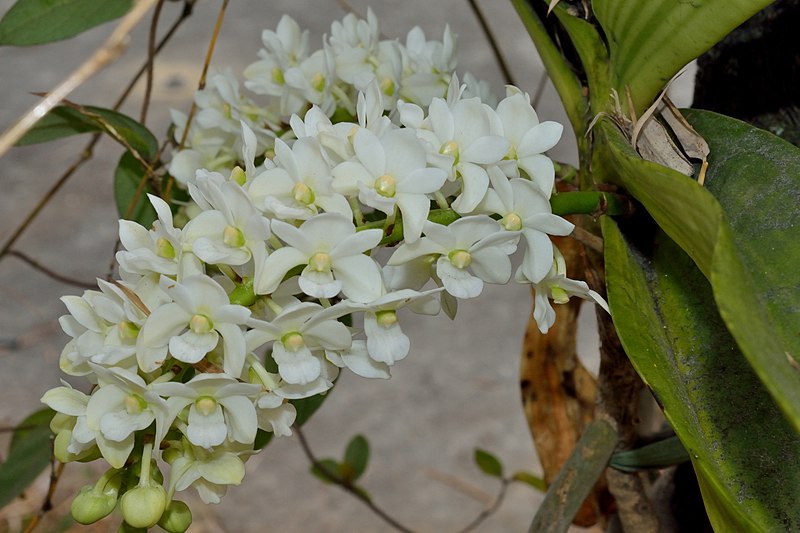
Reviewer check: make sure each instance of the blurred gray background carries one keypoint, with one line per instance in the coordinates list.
(456, 391)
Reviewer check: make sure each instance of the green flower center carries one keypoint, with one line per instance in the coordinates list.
(460, 259)
(128, 330)
(386, 318)
(205, 405)
(450, 148)
(200, 324)
(511, 222)
(386, 186)
(277, 76)
(233, 237)
(164, 248)
(303, 194)
(320, 261)
(293, 341)
(134, 404)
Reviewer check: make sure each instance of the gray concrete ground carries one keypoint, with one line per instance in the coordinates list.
(456, 391)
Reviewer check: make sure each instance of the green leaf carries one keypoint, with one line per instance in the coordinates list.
(356, 456)
(30, 22)
(488, 463)
(576, 479)
(661, 454)
(750, 261)
(558, 69)
(28, 455)
(330, 465)
(307, 406)
(746, 455)
(129, 192)
(651, 41)
(262, 439)
(529, 479)
(67, 120)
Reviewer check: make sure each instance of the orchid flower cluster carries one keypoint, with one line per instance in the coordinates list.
(370, 181)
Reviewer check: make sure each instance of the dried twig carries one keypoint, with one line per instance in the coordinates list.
(498, 54)
(151, 54)
(87, 152)
(106, 54)
(51, 273)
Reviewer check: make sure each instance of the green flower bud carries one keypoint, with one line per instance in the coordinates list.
(143, 506)
(127, 528)
(176, 518)
(91, 505)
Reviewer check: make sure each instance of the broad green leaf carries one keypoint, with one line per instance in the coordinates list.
(67, 120)
(28, 455)
(356, 456)
(659, 454)
(488, 463)
(576, 479)
(745, 453)
(307, 406)
(750, 261)
(650, 41)
(530, 479)
(31, 22)
(130, 193)
(594, 57)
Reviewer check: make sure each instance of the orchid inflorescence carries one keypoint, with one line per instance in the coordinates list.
(362, 145)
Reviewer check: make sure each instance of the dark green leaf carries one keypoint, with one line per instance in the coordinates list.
(661, 454)
(330, 466)
(650, 41)
(745, 453)
(67, 120)
(357, 455)
(31, 22)
(28, 455)
(751, 260)
(262, 439)
(529, 479)
(576, 478)
(307, 407)
(130, 193)
(488, 463)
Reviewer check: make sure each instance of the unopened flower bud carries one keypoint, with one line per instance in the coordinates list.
(89, 506)
(143, 506)
(176, 518)
(127, 528)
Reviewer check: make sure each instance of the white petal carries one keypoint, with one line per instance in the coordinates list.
(191, 347)
(360, 276)
(299, 367)
(241, 418)
(387, 345)
(206, 430)
(360, 363)
(460, 283)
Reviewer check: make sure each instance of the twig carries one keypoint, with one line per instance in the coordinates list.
(489, 511)
(56, 469)
(200, 86)
(587, 238)
(51, 273)
(501, 62)
(110, 51)
(87, 152)
(348, 487)
(151, 53)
